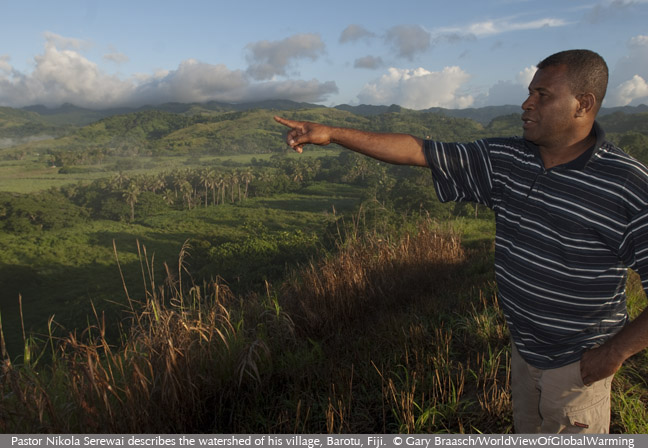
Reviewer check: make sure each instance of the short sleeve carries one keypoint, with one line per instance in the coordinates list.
(461, 171)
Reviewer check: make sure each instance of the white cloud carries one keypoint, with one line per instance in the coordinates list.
(418, 89)
(312, 91)
(508, 92)
(494, 27)
(630, 91)
(525, 77)
(503, 92)
(368, 62)
(639, 41)
(628, 75)
(606, 9)
(5, 66)
(59, 76)
(408, 40)
(268, 59)
(353, 33)
(635, 62)
(192, 81)
(196, 81)
(68, 43)
(116, 57)
(64, 75)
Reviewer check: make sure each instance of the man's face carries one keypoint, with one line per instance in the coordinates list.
(550, 110)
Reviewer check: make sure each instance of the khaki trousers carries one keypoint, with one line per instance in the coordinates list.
(556, 401)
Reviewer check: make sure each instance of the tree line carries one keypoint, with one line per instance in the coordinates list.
(127, 197)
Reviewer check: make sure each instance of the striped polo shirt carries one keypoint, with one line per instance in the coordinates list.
(564, 237)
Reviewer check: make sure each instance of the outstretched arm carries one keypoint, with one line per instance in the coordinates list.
(400, 149)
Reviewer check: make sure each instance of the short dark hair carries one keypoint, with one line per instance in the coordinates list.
(586, 70)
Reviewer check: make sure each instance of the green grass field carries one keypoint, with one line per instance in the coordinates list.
(62, 272)
(33, 173)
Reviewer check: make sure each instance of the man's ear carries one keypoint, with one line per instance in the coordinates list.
(586, 104)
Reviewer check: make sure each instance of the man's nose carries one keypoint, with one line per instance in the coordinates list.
(528, 104)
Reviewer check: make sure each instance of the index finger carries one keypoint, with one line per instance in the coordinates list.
(290, 123)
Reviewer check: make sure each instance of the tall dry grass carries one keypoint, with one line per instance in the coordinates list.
(182, 354)
(401, 314)
(369, 275)
(385, 335)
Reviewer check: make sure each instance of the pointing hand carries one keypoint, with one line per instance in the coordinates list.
(304, 132)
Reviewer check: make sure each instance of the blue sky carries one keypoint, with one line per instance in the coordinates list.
(418, 54)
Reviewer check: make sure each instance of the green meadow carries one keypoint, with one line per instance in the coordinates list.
(184, 273)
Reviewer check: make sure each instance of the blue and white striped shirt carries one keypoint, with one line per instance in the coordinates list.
(564, 237)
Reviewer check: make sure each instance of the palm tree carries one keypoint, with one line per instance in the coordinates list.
(207, 179)
(119, 180)
(158, 183)
(298, 174)
(313, 168)
(187, 193)
(213, 185)
(361, 168)
(131, 195)
(220, 183)
(168, 197)
(145, 182)
(247, 176)
(179, 178)
(264, 177)
(233, 180)
(194, 178)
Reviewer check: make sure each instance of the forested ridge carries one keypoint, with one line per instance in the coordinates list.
(225, 129)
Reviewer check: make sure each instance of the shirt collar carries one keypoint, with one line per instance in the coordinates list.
(581, 161)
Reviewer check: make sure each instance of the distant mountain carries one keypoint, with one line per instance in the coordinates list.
(22, 126)
(69, 114)
(200, 125)
(483, 115)
(18, 115)
(217, 106)
(621, 121)
(624, 109)
(208, 129)
(366, 110)
(275, 105)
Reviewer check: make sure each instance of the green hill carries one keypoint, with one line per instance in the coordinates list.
(625, 122)
(230, 132)
(22, 126)
(73, 135)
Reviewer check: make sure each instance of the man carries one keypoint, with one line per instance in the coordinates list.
(571, 216)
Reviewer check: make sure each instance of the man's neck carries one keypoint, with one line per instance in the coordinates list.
(560, 155)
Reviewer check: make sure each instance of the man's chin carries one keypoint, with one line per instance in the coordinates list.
(529, 136)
